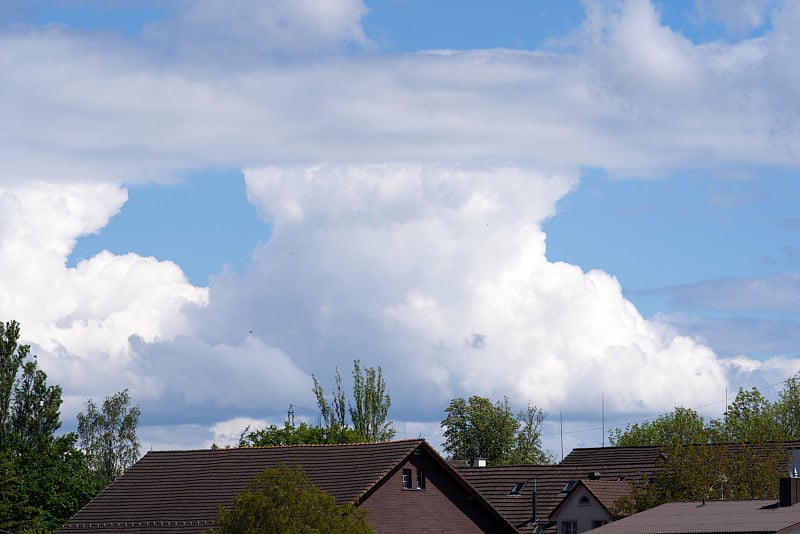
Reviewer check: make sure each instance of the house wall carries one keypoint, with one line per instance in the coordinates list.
(442, 507)
(583, 514)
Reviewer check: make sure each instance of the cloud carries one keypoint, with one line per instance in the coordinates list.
(247, 30)
(633, 97)
(433, 266)
(757, 337)
(79, 319)
(739, 17)
(421, 258)
(775, 293)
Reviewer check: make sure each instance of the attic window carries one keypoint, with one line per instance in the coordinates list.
(406, 478)
(420, 479)
(568, 487)
(517, 489)
(584, 501)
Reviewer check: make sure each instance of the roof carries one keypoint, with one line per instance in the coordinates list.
(496, 482)
(718, 517)
(606, 492)
(178, 491)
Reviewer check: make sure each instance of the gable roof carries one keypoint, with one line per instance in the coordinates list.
(611, 463)
(606, 492)
(719, 517)
(178, 491)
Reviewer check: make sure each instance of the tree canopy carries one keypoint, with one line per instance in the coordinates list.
(44, 478)
(282, 500)
(369, 409)
(108, 436)
(479, 428)
(735, 457)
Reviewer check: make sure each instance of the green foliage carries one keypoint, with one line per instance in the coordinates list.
(281, 500)
(300, 435)
(478, 428)
(369, 411)
(108, 436)
(683, 425)
(44, 479)
(710, 471)
(735, 457)
(787, 409)
(750, 418)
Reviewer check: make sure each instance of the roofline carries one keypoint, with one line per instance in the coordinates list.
(424, 445)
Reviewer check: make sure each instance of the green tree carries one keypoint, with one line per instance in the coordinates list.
(371, 402)
(479, 428)
(750, 418)
(682, 425)
(108, 436)
(369, 410)
(528, 447)
(43, 478)
(282, 500)
(787, 409)
(303, 434)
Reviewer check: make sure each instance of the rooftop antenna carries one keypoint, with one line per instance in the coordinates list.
(561, 421)
(603, 416)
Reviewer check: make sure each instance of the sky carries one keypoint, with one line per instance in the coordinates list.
(590, 207)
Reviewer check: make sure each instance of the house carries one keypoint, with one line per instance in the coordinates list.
(718, 517)
(527, 495)
(404, 486)
(589, 504)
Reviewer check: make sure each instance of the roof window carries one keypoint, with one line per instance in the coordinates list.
(517, 490)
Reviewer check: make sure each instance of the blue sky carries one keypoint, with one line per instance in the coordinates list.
(218, 200)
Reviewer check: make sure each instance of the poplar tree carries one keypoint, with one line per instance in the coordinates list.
(108, 436)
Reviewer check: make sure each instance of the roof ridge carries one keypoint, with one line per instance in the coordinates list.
(296, 446)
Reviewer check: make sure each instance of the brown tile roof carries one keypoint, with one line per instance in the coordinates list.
(178, 491)
(611, 463)
(607, 492)
(718, 517)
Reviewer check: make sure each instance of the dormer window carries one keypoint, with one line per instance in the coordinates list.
(420, 479)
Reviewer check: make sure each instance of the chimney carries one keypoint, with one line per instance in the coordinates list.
(790, 491)
(479, 462)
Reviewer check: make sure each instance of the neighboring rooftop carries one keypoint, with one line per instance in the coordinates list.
(717, 517)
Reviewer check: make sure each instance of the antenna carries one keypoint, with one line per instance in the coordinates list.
(603, 410)
(561, 421)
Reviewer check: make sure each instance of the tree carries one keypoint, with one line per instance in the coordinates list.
(282, 500)
(528, 447)
(750, 418)
(108, 436)
(683, 425)
(43, 478)
(787, 409)
(369, 410)
(300, 435)
(478, 428)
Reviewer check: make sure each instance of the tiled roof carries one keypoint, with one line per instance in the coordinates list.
(178, 491)
(607, 492)
(611, 463)
(718, 517)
